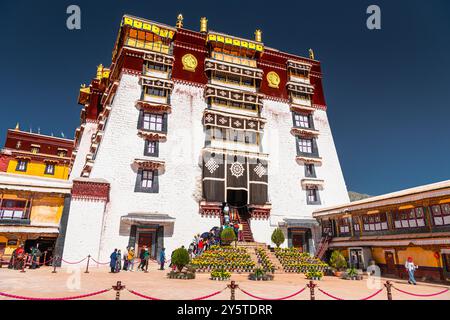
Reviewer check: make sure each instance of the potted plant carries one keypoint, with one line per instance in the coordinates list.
(277, 237)
(352, 274)
(338, 263)
(314, 275)
(227, 236)
(180, 258)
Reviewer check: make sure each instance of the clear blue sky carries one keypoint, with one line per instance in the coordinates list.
(388, 91)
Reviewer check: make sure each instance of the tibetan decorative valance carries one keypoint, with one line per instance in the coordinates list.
(236, 42)
(218, 119)
(299, 65)
(302, 88)
(152, 135)
(159, 58)
(157, 83)
(213, 65)
(233, 95)
(153, 107)
(148, 26)
(149, 164)
(302, 132)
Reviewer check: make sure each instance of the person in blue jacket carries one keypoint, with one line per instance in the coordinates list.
(113, 261)
(162, 258)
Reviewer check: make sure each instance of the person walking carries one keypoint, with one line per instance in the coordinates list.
(113, 260)
(411, 268)
(125, 259)
(118, 261)
(240, 230)
(130, 259)
(146, 259)
(162, 258)
(141, 257)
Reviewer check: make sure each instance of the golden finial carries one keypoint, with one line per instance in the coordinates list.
(17, 127)
(99, 71)
(258, 35)
(203, 25)
(179, 21)
(311, 54)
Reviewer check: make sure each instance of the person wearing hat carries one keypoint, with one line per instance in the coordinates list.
(411, 268)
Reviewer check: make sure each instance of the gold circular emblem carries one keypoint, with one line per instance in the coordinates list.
(189, 62)
(273, 79)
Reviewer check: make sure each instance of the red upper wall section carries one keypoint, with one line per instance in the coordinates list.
(48, 145)
(187, 41)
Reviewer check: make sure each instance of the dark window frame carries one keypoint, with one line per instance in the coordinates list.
(156, 149)
(370, 222)
(314, 150)
(19, 162)
(155, 182)
(443, 214)
(316, 195)
(405, 223)
(50, 165)
(142, 115)
(310, 173)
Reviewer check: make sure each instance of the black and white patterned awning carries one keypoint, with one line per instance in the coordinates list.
(233, 95)
(213, 65)
(156, 83)
(159, 58)
(299, 65)
(217, 119)
(302, 88)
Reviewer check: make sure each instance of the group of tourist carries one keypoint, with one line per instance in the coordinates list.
(19, 258)
(129, 257)
(116, 260)
(236, 226)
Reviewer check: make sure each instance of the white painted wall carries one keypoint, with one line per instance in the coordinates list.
(83, 149)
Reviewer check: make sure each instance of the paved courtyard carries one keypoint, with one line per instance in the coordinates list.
(42, 283)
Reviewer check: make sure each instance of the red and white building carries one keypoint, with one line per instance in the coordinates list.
(183, 122)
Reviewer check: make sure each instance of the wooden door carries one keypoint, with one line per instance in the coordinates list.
(390, 262)
(297, 241)
(145, 239)
(2, 248)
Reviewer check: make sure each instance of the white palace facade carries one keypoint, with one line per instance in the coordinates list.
(182, 123)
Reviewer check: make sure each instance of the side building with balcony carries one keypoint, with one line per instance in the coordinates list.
(33, 191)
(392, 227)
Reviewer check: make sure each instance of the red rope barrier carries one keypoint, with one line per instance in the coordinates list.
(209, 295)
(63, 298)
(329, 294)
(142, 295)
(422, 295)
(194, 299)
(97, 262)
(74, 262)
(282, 298)
(337, 298)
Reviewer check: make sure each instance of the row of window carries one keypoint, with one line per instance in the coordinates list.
(226, 134)
(405, 219)
(234, 104)
(153, 66)
(233, 79)
(22, 166)
(13, 210)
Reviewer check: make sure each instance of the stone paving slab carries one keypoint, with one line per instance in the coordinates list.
(73, 281)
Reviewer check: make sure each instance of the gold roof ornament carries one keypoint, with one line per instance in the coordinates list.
(99, 71)
(203, 25)
(311, 54)
(180, 21)
(17, 127)
(258, 35)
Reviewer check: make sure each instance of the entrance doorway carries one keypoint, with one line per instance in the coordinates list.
(390, 262)
(297, 241)
(146, 239)
(356, 258)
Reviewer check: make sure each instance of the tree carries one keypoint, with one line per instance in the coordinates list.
(180, 258)
(227, 235)
(277, 237)
(337, 260)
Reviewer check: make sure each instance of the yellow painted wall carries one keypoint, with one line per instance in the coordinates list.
(47, 210)
(35, 168)
(44, 210)
(378, 255)
(420, 256)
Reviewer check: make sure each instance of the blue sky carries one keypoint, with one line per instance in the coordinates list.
(388, 91)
